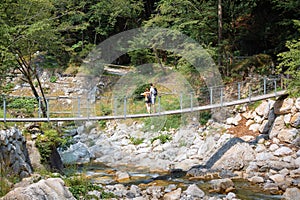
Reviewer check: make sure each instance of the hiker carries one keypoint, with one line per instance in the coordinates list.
(147, 99)
(153, 92)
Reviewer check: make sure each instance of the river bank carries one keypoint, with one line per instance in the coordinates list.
(259, 146)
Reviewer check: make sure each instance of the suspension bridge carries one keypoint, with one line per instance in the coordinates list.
(211, 98)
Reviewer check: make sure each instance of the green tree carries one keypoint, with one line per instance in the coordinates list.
(196, 19)
(290, 64)
(115, 16)
(27, 28)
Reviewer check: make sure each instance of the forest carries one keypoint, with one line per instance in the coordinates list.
(59, 34)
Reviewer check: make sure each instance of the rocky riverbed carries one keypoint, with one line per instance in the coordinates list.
(266, 154)
(260, 146)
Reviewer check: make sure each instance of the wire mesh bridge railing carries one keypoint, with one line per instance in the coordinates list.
(67, 108)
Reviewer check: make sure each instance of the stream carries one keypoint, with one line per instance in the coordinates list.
(101, 174)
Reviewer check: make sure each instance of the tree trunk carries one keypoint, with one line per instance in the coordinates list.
(43, 106)
(25, 68)
(220, 28)
(158, 60)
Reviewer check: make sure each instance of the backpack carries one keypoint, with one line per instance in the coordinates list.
(155, 92)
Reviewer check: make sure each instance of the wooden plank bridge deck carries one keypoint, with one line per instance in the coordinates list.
(170, 112)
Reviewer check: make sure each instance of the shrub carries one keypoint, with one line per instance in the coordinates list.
(7, 87)
(79, 186)
(137, 93)
(46, 142)
(4, 186)
(53, 79)
(102, 124)
(204, 117)
(28, 104)
(163, 138)
(136, 141)
(105, 109)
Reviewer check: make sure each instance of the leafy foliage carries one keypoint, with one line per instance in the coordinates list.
(46, 142)
(290, 64)
(53, 79)
(139, 90)
(163, 138)
(204, 117)
(136, 141)
(29, 104)
(79, 186)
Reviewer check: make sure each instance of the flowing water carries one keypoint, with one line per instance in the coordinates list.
(101, 174)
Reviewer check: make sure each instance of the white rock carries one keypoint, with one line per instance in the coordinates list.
(297, 162)
(277, 178)
(264, 156)
(173, 195)
(258, 119)
(122, 176)
(297, 103)
(291, 194)
(260, 110)
(264, 127)
(250, 122)
(287, 135)
(260, 148)
(273, 147)
(194, 191)
(256, 179)
(287, 118)
(254, 127)
(282, 151)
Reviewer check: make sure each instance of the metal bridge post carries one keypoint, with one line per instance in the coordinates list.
(4, 108)
(39, 109)
(180, 101)
(275, 87)
(211, 95)
(250, 93)
(239, 90)
(265, 85)
(48, 111)
(125, 106)
(191, 101)
(221, 96)
(78, 106)
(115, 105)
(88, 108)
(281, 82)
(159, 105)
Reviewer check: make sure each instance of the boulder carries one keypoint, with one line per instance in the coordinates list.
(297, 104)
(173, 195)
(277, 178)
(283, 151)
(277, 126)
(122, 176)
(287, 135)
(256, 179)
(295, 120)
(291, 194)
(282, 107)
(76, 153)
(234, 120)
(14, 154)
(254, 127)
(221, 185)
(52, 188)
(236, 157)
(262, 108)
(193, 192)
